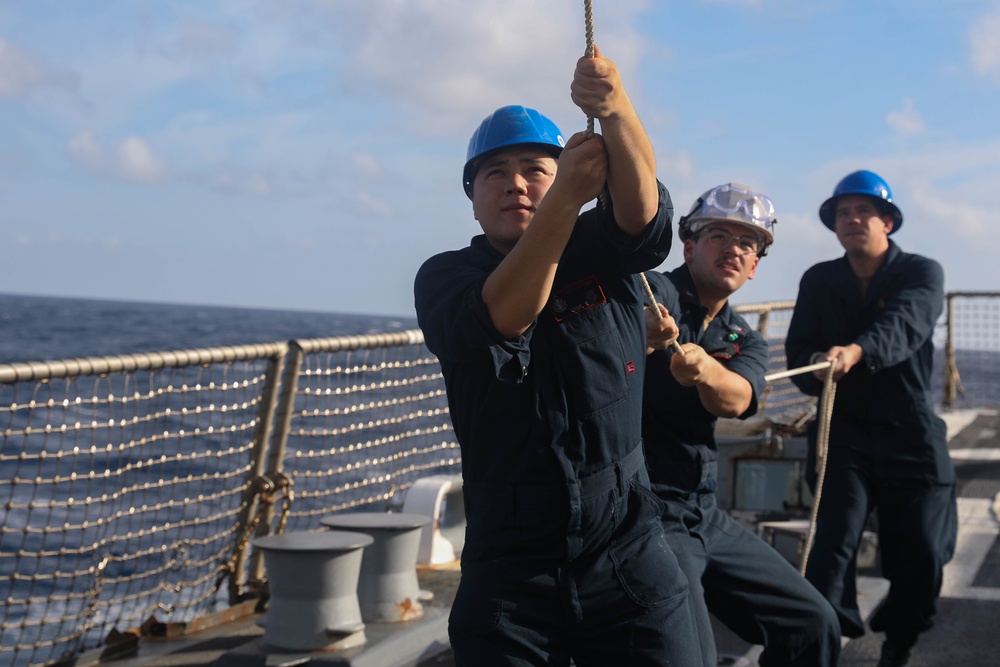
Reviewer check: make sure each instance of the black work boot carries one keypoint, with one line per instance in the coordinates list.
(896, 650)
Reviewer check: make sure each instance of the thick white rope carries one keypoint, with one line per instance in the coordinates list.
(822, 447)
(797, 371)
(824, 413)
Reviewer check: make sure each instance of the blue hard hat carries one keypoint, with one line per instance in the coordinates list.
(508, 126)
(862, 183)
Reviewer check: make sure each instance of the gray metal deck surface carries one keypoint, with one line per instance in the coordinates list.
(967, 631)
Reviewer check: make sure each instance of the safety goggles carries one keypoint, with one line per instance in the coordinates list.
(739, 205)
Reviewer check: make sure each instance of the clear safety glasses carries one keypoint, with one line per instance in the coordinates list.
(721, 238)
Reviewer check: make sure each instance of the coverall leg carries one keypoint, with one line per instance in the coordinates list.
(682, 533)
(748, 586)
(918, 526)
(612, 595)
(759, 595)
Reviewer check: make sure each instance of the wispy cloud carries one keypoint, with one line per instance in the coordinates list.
(964, 218)
(447, 61)
(368, 205)
(366, 164)
(131, 160)
(22, 71)
(906, 121)
(984, 45)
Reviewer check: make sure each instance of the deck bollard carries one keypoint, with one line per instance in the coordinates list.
(388, 590)
(313, 581)
(441, 498)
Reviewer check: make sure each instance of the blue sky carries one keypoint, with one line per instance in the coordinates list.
(307, 154)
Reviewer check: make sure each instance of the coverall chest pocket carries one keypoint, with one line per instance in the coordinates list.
(593, 359)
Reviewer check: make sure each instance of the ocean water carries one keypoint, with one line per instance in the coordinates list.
(36, 328)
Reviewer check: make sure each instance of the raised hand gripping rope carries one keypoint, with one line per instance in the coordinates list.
(588, 15)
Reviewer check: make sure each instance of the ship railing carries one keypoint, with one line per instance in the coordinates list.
(970, 371)
(132, 486)
(966, 367)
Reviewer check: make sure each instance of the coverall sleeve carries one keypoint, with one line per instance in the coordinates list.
(805, 333)
(647, 250)
(455, 321)
(751, 365)
(908, 319)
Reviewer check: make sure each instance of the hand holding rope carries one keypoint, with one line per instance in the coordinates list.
(588, 15)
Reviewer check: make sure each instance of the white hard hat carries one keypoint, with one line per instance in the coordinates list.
(731, 202)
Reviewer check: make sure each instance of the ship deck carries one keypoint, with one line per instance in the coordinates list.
(964, 634)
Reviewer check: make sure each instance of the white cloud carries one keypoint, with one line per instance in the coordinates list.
(984, 44)
(953, 212)
(136, 161)
(133, 160)
(84, 148)
(447, 61)
(366, 164)
(906, 121)
(370, 205)
(438, 64)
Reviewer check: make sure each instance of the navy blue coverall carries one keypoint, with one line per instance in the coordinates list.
(732, 573)
(887, 447)
(564, 557)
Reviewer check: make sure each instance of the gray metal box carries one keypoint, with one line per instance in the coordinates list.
(789, 539)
